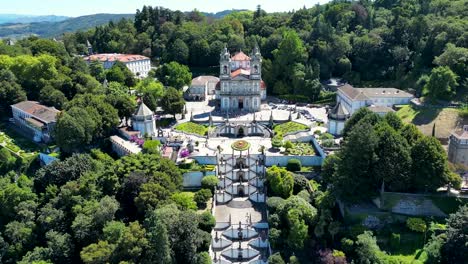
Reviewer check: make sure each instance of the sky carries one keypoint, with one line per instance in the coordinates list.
(75, 8)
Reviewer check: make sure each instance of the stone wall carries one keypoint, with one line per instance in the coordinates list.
(205, 160)
(438, 205)
(193, 179)
(283, 160)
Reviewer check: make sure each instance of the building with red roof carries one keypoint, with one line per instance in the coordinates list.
(139, 65)
(241, 86)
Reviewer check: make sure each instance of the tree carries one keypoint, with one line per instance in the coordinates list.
(97, 253)
(454, 248)
(394, 121)
(172, 101)
(96, 69)
(152, 146)
(52, 97)
(429, 167)
(61, 246)
(416, 224)
(411, 133)
(184, 200)
(160, 251)
(178, 51)
(206, 221)
(354, 176)
(173, 74)
(298, 232)
(442, 84)
(202, 196)
(393, 166)
(209, 182)
(367, 249)
(355, 118)
(10, 93)
(280, 181)
(276, 259)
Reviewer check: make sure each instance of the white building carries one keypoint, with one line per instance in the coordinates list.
(355, 98)
(139, 65)
(350, 99)
(35, 119)
(144, 121)
(241, 86)
(200, 87)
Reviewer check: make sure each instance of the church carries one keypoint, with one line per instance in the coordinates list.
(241, 86)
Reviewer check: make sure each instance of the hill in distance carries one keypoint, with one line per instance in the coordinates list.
(55, 29)
(15, 18)
(223, 13)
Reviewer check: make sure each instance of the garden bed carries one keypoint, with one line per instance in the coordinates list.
(289, 127)
(301, 149)
(191, 127)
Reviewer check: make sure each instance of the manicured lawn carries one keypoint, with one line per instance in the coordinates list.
(289, 127)
(191, 127)
(411, 244)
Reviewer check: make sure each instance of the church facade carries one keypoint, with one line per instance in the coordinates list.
(241, 86)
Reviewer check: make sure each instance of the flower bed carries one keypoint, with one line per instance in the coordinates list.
(191, 127)
(240, 145)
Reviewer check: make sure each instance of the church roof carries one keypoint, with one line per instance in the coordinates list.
(143, 110)
(240, 56)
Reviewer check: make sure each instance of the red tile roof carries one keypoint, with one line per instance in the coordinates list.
(115, 57)
(40, 112)
(240, 56)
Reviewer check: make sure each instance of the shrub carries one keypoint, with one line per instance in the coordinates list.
(394, 241)
(317, 132)
(209, 182)
(356, 230)
(300, 183)
(294, 165)
(347, 245)
(151, 146)
(274, 236)
(288, 144)
(416, 224)
(202, 196)
(274, 220)
(274, 203)
(203, 258)
(184, 200)
(203, 240)
(326, 136)
(276, 142)
(206, 221)
(276, 259)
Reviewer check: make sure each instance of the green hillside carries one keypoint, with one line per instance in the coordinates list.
(53, 29)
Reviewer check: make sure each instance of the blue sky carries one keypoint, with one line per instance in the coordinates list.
(86, 7)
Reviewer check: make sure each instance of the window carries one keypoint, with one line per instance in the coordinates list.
(225, 69)
(256, 69)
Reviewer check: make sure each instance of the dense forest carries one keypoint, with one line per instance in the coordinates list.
(417, 44)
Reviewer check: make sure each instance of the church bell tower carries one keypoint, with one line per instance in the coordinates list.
(225, 64)
(256, 64)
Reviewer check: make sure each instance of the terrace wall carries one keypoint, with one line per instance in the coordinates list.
(283, 160)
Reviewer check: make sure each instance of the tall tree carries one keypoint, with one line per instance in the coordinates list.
(172, 102)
